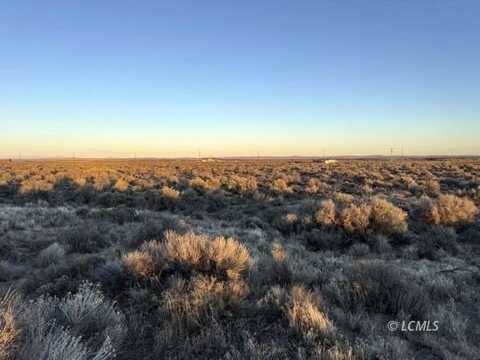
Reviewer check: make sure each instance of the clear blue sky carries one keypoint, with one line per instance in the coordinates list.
(166, 78)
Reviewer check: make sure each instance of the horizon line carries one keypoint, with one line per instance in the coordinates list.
(240, 157)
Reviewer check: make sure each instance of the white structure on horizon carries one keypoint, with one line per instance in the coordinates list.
(330, 161)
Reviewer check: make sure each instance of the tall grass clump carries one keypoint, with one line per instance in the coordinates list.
(201, 299)
(300, 308)
(304, 312)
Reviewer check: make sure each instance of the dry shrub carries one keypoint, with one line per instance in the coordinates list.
(432, 188)
(289, 223)
(436, 240)
(51, 255)
(170, 193)
(9, 331)
(448, 210)
(387, 218)
(356, 219)
(228, 256)
(201, 299)
(278, 253)
(275, 269)
(154, 249)
(314, 186)
(213, 285)
(408, 181)
(300, 307)
(307, 220)
(249, 184)
(84, 239)
(139, 263)
(198, 183)
(241, 184)
(79, 181)
(213, 184)
(304, 313)
(102, 182)
(56, 343)
(88, 312)
(222, 257)
(379, 288)
(343, 198)
(80, 326)
(35, 185)
(291, 218)
(121, 185)
(429, 210)
(187, 250)
(52, 342)
(326, 214)
(378, 215)
(343, 352)
(280, 186)
(147, 262)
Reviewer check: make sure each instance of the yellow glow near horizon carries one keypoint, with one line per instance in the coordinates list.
(99, 146)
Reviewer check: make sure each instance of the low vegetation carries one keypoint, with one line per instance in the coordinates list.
(238, 259)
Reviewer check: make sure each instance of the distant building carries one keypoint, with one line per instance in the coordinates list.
(330, 161)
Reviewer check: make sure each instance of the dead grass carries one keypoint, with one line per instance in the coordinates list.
(199, 300)
(304, 313)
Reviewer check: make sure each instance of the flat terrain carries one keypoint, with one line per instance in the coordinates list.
(239, 259)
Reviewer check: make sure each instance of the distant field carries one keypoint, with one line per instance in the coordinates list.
(240, 259)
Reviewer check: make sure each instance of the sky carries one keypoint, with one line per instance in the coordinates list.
(123, 78)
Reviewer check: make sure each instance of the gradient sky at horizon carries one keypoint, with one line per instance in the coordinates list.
(227, 78)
